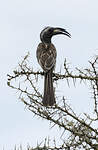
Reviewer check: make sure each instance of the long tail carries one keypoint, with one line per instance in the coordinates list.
(48, 98)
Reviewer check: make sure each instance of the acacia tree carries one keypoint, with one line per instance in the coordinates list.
(81, 130)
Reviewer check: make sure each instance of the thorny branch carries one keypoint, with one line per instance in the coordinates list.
(82, 133)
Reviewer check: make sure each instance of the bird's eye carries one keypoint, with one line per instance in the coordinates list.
(50, 30)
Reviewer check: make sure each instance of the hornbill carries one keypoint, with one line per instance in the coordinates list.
(46, 56)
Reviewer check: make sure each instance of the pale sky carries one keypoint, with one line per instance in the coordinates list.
(20, 24)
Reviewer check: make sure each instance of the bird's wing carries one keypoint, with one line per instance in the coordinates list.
(46, 56)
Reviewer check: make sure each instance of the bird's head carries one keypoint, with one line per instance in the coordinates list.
(48, 32)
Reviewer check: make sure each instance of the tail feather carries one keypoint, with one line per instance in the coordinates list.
(48, 98)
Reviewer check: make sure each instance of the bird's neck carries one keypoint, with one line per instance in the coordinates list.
(46, 40)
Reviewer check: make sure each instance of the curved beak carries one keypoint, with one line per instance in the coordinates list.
(61, 31)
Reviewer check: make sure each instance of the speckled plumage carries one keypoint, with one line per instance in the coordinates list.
(46, 55)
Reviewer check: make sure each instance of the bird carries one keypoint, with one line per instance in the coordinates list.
(46, 55)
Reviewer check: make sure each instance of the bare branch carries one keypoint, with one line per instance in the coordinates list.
(81, 134)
